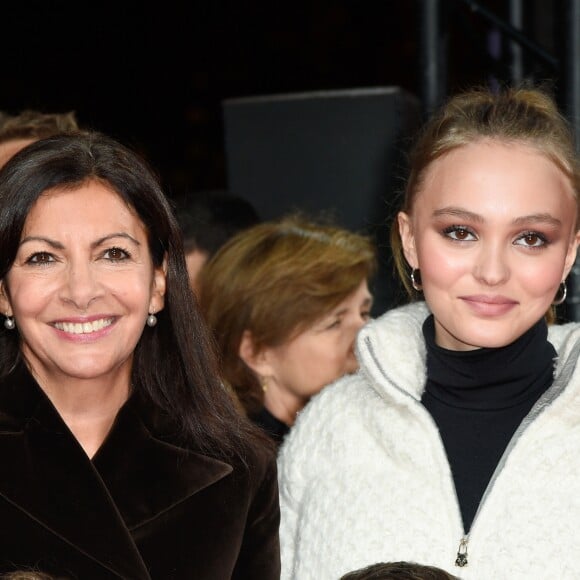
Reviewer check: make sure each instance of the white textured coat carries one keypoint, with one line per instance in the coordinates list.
(364, 477)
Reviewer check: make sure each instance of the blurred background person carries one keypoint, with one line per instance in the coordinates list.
(285, 300)
(17, 131)
(208, 219)
(29, 575)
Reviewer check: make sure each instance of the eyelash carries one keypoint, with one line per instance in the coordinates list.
(454, 229)
(540, 237)
(48, 258)
(33, 259)
(126, 254)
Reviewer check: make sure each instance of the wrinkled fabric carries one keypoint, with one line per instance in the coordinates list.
(143, 508)
(364, 476)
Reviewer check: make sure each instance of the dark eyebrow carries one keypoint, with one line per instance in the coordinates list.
(544, 218)
(458, 213)
(366, 302)
(54, 244)
(109, 237)
(58, 246)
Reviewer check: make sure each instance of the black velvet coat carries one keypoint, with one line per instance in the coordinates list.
(142, 508)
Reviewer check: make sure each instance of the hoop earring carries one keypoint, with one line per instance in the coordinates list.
(151, 320)
(9, 323)
(561, 294)
(416, 279)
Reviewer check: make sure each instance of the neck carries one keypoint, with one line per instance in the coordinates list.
(283, 404)
(88, 407)
(490, 378)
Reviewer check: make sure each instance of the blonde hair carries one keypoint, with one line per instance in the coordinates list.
(523, 115)
(275, 280)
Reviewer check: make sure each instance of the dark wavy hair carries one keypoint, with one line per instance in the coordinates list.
(175, 367)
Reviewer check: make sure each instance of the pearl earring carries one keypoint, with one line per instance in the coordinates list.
(151, 320)
(9, 323)
(264, 383)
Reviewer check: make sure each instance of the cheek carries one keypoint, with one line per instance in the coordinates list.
(135, 289)
(29, 298)
(195, 262)
(306, 358)
(541, 278)
(440, 267)
(331, 358)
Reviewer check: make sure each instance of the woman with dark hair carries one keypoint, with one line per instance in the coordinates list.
(127, 457)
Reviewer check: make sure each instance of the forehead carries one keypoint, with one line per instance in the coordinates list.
(492, 172)
(90, 207)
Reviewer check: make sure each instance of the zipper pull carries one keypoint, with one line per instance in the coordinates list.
(461, 559)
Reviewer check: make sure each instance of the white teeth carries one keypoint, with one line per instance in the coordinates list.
(84, 327)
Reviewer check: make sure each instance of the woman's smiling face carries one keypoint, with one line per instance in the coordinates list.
(82, 285)
(493, 233)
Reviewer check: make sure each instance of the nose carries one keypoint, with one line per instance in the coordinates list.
(359, 321)
(80, 286)
(491, 266)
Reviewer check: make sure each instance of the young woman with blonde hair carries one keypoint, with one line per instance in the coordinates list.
(457, 443)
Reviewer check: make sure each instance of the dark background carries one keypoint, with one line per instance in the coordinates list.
(155, 75)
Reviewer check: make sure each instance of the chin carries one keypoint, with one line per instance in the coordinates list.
(487, 341)
(87, 372)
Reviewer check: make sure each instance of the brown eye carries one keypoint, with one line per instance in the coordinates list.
(531, 239)
(460, 234)
(40, 258)
(116, 254)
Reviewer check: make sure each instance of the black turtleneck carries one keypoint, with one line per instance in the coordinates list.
(478, 398)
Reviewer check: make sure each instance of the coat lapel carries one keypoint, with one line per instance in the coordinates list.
(147, 475)
(93, 505)
(48, 476)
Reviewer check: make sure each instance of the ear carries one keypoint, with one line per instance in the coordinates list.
(407, 238)
(258, 361)
(157, 300)
(571, 254)
(5, 306)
